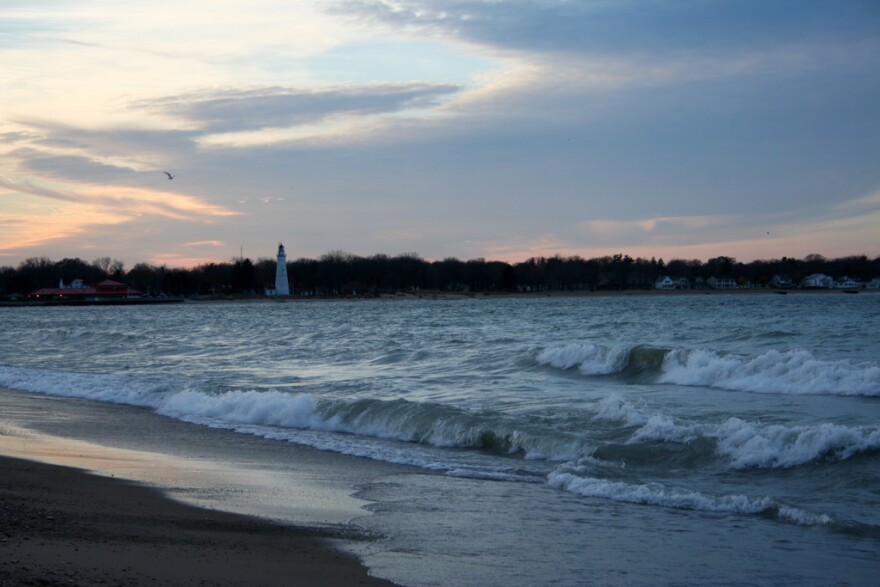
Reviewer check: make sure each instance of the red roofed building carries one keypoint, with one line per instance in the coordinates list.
(106, 290)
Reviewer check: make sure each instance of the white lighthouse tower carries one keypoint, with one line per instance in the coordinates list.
(281, 286)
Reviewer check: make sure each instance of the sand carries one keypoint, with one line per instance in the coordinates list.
(63, 526)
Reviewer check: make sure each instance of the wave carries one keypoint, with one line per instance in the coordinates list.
(400, 420)
(789, 372)
(777, 372)
(776, 446)
(738, 443)
(743, 444)
(567, 461)
(422, 423)
(590, 359)
(117, 389)
(656, 494)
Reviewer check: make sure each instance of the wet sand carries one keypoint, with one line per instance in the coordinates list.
(63, 526)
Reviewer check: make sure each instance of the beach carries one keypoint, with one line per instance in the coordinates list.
(83, 504)
(63, 526)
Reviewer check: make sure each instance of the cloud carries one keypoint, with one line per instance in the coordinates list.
(128, 201)
(553, 46)
(205, 244)
(159, 203)
(655, 226)
(743, 235)
(277, 107)
(63, 166)
(77, 209)
(620, 26)
(25, 229)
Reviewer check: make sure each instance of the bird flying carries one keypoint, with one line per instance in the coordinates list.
(168, 174)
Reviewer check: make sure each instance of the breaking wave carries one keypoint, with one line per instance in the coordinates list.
(739, 444)
(424, 423)
(791, 372)
(401, 420)
(656, 494)
(743, 444)
(779, 372)
(590, 359)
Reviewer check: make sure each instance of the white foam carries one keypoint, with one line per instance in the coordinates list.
(775, 446)
(615, 408)
(803, 517)
(589, 358)
(266, 408)
(656, 494)
(661, 428)
(789, 372)
(653, 427)
(744, 444)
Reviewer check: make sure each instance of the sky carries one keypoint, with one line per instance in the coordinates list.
(497, 129)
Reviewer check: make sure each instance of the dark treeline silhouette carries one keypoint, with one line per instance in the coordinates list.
(340, 273)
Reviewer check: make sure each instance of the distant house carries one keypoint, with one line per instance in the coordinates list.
(848, 283)
(722, 283)
(873, 284)
(107, 289)
(664, 282)
(781, 281)
(683, 283)
(75, 284)
(817, 280)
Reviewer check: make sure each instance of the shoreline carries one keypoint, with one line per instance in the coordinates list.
(64, 526)
(441, 295)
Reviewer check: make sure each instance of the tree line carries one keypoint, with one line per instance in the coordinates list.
(339, 273)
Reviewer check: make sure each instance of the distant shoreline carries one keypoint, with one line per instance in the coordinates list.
(437, 295)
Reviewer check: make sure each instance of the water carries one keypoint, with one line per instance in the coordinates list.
(701, 439)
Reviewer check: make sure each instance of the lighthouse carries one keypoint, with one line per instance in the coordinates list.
(281, 286)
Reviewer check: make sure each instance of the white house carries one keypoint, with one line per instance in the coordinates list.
(817, 280)
(664, 282)
(848, 283)
(781, 281)
(873, 284)
(722, 283)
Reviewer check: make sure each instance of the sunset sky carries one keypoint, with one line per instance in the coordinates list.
(468, 128)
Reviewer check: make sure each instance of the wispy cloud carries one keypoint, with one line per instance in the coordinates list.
(25, 229)
(276, 107)
(205, 244)
(128, 201)
(663, 224)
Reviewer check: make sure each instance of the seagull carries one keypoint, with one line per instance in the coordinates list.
(168, 174)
